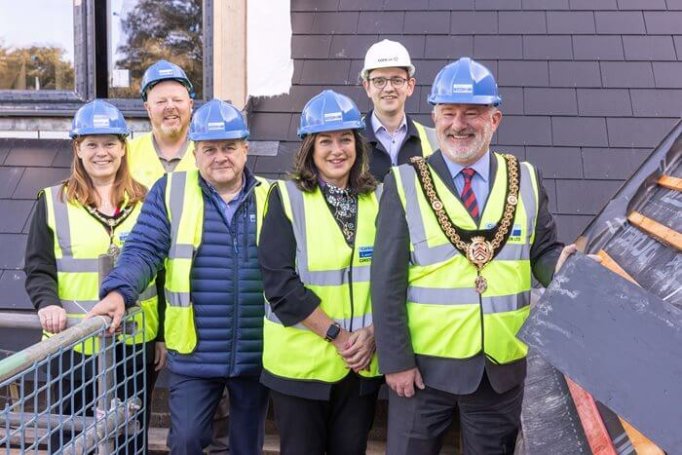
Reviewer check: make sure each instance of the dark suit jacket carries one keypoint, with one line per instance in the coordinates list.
(390, 265)
(379, 160)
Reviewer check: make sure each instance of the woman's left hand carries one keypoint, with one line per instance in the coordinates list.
(359, 350)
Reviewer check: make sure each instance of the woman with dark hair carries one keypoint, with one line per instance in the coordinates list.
(75, 222)
(315, 252)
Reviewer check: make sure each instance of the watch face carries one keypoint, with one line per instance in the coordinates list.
(332, 332)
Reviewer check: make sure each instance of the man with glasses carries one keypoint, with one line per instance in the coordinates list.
(388, 79)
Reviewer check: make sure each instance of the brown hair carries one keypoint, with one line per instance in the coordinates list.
(305, 173)
(79, 187)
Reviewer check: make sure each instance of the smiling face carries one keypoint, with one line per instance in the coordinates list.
(389, 100)
(101, 156)
(221, 163)
(334, 155)
(169, 108)
(464, 130)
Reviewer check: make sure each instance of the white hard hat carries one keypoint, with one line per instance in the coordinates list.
(387, 54)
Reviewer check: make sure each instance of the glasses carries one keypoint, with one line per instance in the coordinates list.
(380, 82)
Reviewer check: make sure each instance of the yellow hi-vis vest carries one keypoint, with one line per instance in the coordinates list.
(79, 239)
(428, 139)
(446, 316)
(336, 273)
(144, 163)
(185, 206)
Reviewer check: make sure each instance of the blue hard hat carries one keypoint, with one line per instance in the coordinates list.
(163, 70)
(464, 82)
(329, 111)
(97, 118)
(217, 120)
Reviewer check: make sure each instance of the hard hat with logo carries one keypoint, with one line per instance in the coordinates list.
(98, 118)
(464, 82)
(163, 70)
(387, 54)
(329, 111)
(216, 121)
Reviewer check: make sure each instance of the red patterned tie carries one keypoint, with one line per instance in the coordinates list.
(468, 196)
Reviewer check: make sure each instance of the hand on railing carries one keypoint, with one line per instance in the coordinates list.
(113, 306)
(52, 318)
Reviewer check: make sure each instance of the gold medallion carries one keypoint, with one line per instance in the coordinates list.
(481, 284)
(437, 205)
(113, 251)
(480, 251)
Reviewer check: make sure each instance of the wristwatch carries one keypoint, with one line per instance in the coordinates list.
(332, 332)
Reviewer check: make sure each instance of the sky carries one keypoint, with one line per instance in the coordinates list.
(40, 22)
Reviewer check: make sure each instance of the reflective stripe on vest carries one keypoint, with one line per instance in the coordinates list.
(336, 273)
(79, 240)
(446, 321)
(185, 207)
(428, 139)
(144, 162)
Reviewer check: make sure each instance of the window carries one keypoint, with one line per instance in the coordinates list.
(56, 54)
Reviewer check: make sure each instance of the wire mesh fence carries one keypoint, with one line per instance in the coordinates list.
(80, 391)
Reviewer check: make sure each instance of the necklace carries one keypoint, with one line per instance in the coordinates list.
(479, 251)
(110, 223)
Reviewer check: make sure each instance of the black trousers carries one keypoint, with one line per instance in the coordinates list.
(489, 421)
(77, 385)
(339, 426)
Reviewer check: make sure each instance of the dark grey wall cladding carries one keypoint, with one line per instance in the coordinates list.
(589, 86)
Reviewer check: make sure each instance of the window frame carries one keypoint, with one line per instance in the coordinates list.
(63, 103)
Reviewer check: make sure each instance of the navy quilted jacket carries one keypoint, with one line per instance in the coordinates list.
(226, 286)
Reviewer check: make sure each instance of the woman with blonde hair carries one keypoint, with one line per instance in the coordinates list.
(75, 222)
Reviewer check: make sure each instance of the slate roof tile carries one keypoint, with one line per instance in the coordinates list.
(9, 179)
(14, 215)
(29, 153)
(512, 100)
(663, 22)
(656, 103)
(569, 227)
(522, 73)
(12, 249)
(326, 72)
(267, 126)
(497, 4)
(520, 130)
(550, 188)
(498, 47)
(427, 22)
(35, 179)
(310, 46)
(593, 5)
(649, 48)
(598, 47)
(550, 101)
(641, 4)
(279, 164)
(570, 22)
(556, 162)
(637, 132)
(522, 22)
(381, 22)
(666, 74)
(579, 131)
(547, 47)
(571, 195)
(334, 23)
(315, 5)
(604, 102)
(619, 22)
(627, 74)
(473, 22)
(612, 163)
(574, 74)
(450, 5)
(674, 4)
(402, 5)
(302, 22)
(13, 293)
(413, 43)
(350, 46)
(544, 5)
(450, 47)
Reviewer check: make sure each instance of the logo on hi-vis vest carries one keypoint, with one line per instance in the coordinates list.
(252, 218)
(123, 236)
(365, 253)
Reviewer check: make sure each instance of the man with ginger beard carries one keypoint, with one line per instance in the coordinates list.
(459, 236)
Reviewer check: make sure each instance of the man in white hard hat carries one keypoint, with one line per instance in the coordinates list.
(394, 137)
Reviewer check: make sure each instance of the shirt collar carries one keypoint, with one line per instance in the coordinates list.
(482, 166)
(378, 126)
(214, 193)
